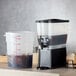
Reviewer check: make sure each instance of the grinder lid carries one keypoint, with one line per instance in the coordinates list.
(52, 21)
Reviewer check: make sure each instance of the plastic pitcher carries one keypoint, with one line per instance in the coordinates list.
(20, 48)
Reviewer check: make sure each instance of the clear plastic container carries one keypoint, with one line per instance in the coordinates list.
(20, 48)
(52, 27)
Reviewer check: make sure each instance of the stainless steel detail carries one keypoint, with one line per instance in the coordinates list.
(45, 61)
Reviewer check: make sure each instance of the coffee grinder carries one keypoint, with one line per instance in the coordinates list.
(52, 38)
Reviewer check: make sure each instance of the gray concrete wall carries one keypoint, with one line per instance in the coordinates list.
(20, 15)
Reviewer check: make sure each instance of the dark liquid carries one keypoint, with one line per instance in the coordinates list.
(24, 61)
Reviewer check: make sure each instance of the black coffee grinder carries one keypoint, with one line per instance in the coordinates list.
(52, 37)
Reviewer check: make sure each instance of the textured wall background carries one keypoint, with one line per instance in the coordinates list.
(20, 15)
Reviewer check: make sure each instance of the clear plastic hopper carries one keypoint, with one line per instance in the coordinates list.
(52, 32)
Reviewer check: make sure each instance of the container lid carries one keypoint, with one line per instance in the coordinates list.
(52, 21)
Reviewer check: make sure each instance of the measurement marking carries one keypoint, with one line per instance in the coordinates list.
(18, 44)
